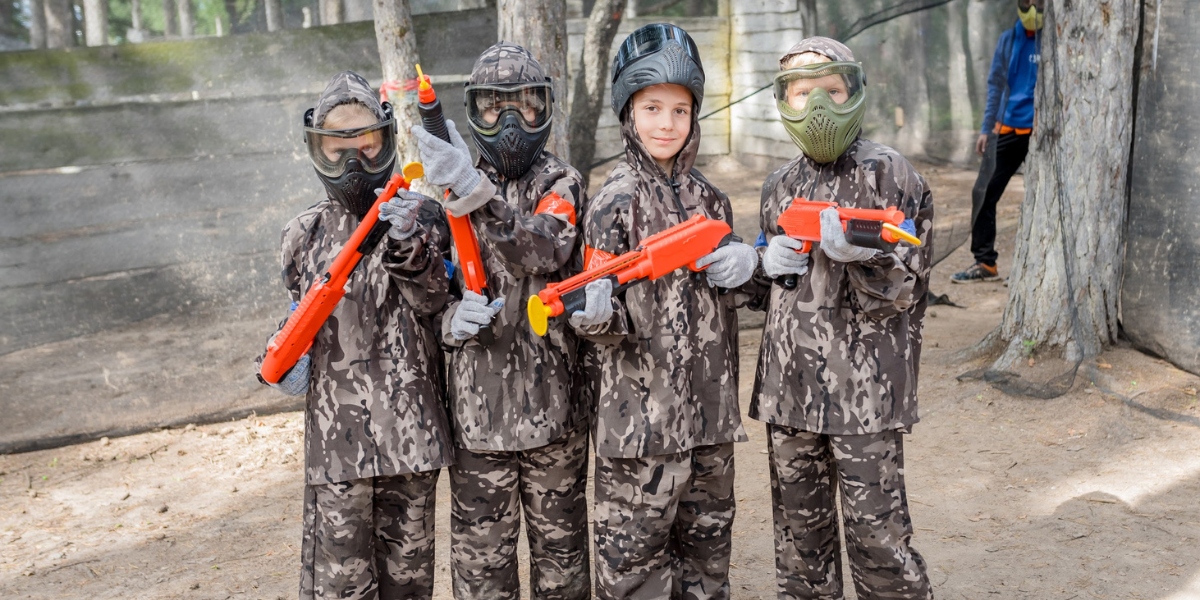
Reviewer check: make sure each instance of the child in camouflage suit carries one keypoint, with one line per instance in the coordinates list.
(520, 433)
(662, 362)
(376, 432)
(837, 373)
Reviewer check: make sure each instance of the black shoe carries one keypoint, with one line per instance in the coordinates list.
(976, 272)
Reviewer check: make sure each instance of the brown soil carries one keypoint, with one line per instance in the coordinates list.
(1090, 495)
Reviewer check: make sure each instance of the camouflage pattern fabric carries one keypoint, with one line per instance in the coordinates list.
(375, 403)
(344, 88)
(840, 352)
(663, 371)
(664, 525)
(506, 63)
(827, 47)
(869, 473)
(369, 538)
(488, 490)
(516, 393)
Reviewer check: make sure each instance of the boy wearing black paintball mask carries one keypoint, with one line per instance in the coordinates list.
(521, 436)
(836, 382)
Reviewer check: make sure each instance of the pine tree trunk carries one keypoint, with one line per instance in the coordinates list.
(187, 19)
(37, 24)
(1066, 271)
(540, 26)
(60, 23)
(591, 81)
(274, 15)
(331, 11)
(170, 25)
(95, 18)
(397, 42)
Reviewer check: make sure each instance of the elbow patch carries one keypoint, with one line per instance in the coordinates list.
(554, 204)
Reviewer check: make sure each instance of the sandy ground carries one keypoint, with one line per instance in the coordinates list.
(1095, 494)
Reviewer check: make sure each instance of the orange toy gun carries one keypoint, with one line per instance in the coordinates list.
(866, 227)
(466, 246)
(657, 255)
(322, 298)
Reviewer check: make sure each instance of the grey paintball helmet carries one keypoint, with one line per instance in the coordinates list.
(654, 54)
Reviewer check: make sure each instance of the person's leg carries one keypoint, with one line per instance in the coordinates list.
(1010, 153)
(636, 501)
(875, 514)
(808, 553)
(704, 525)
(404, 534)
(338, 541)
(485, 521)
(553, 491)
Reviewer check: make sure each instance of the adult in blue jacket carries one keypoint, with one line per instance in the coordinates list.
(1009, 115)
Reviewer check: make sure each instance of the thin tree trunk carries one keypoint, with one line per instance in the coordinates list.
(170, 27)
(591, 81)
(1066, 271)
(95, 19)
(60, 23)
(274, 15)
(37, 24)
(331, 11)
(187, 19)
(540, 26)
(397, 41)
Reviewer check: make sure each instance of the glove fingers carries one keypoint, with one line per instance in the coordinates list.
(790, 243)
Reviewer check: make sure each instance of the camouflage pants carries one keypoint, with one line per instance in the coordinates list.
(369, 538)
(488, 491)
(869, 472)
(664, 525)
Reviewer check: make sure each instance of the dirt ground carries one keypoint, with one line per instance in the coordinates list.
(1095, 494)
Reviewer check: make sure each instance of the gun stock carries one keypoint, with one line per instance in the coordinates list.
(673, 248)
(296, 337)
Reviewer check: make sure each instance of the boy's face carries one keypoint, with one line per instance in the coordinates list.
(662, 116)
(369, 144)
(834, 85)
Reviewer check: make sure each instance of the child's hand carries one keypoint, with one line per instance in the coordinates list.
(471, 314)
(447, 165)
(401, 212)
(782, 257)
(730, 265)
(295, 381)
(834, 243)
(598, 306)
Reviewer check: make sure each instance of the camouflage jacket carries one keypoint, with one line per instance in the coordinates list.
(662, 374)
(840, 352)
(375, 402)
(517, 394)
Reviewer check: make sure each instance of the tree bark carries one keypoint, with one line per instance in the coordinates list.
(37, 24)
(1067, 267)
(187, 19)
(274, 15)
(170, 26)
(95, 19)
(591, 81)
(397, 41)
(540, 26)
(331, 11)
(60, 23)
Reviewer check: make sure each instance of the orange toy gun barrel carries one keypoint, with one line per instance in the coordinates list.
(657, 255)
(297, 335)
(867, 227)
(466, 245)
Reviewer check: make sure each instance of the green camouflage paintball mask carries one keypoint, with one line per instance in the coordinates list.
(822, 107)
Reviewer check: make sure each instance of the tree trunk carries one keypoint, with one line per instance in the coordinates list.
(1066, 272)
(37, 24)
(397, 41)
(540, 26)
(591, 81)
(95, 19)
(60, 20)
(331, 11)
(274, 15)
(170, 28)
(187, 19)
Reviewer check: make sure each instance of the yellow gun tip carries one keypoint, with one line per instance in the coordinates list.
(422, 81)
(902, 235)
(539, 315)
(413, 170)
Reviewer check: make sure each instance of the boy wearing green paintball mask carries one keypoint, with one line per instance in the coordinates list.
(836, 381)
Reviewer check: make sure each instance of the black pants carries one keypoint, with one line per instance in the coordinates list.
(1011, 149)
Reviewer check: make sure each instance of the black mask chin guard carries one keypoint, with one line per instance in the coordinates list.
(511, 150)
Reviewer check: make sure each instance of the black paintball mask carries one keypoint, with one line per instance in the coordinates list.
(510, 106)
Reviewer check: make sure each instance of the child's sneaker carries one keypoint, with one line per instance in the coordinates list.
(976, 272)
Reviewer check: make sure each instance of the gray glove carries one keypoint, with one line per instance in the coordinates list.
(401, 212)
(447, 165)
(833, 240)
(782, 257)
(730, 265)
(471, 314)
(598, 308)
(295, 381)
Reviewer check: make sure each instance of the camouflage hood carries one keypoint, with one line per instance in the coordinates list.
(344, 88)
(827, 47)
(506, 63)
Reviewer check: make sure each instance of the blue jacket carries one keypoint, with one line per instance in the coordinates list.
(1012, 79)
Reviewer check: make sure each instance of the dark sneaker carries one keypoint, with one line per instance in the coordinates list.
(976, 272)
